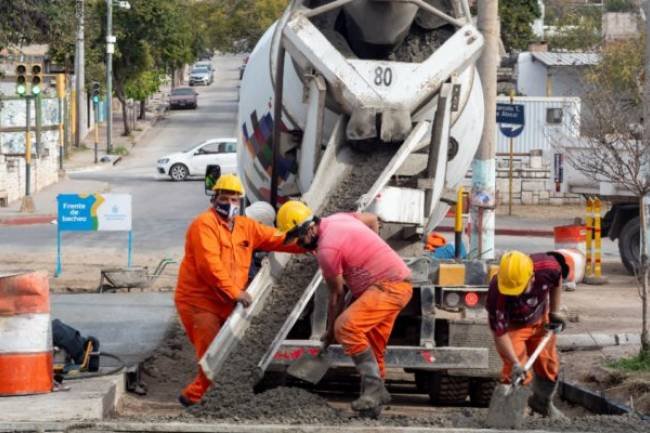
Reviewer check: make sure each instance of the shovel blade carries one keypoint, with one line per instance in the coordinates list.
(507, 407)
(310, 369)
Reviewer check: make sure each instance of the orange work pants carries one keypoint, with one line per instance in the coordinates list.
(525, 340)
(201, 327)
(369, 321)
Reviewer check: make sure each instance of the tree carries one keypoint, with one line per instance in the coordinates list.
(616, 150)
(34, 21)
(237, 26)
(152, 37)
(577, 28)
(517, 17)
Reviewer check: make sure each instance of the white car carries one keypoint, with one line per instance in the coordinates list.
(194, 161)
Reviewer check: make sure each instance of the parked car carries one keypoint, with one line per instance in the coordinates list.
(183, 97)
(201, 75)
(194, 161)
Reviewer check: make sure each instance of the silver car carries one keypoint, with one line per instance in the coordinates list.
(201, 76)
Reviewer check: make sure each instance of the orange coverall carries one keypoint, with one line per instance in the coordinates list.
(213, 273)
(525, 340)
(369, 320)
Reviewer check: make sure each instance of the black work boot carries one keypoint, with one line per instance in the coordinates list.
(542, 399)
(373, 392)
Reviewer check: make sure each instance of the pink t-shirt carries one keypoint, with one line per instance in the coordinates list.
(347, 247)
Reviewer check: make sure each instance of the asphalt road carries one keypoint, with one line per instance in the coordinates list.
(162, 209)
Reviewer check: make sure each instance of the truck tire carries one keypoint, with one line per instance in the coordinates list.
(481, 390)
(443, 389)
(629, 244)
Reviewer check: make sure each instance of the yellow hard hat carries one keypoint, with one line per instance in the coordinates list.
(229, 182)
(292, 215)
(515, 271)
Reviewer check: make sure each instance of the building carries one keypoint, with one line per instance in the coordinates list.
(553, 74)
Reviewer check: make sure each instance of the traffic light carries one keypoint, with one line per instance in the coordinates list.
(95, 92)
(37, 79)
(21, 79)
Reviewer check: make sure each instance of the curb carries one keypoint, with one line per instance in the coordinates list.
(509, 232)
(26, 220)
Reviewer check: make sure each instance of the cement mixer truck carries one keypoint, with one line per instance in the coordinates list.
(332, 78)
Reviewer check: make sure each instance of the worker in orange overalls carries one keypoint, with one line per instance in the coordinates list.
(523, 302)
(351, 255)
(213, 275)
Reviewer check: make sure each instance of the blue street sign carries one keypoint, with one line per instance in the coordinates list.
(510, 113)
(511, 120)
(511, 131)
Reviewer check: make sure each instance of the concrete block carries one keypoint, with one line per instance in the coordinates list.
(89, 399)
(536, 162)
(451, 274)
(533, 185)
(527, 197)
(556, 201)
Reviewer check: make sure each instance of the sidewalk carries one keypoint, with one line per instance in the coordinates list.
(527, 220)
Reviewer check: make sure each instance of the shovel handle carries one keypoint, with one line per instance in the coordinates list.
(538, 349)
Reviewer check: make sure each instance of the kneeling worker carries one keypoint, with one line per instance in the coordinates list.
(350, 253)
(523, 301)
(219, 246)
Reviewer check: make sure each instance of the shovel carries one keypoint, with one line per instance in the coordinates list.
(309, 368)
(508, 403)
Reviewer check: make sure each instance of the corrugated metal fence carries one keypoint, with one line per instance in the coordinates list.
(549, 121)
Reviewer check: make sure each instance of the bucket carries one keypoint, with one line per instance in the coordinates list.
(577, 263)
(25, 334)
(570, 237)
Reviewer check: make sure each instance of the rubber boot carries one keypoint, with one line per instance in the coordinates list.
(542, 399)
(373, 392)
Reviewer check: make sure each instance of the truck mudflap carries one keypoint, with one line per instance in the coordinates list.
(412, 357)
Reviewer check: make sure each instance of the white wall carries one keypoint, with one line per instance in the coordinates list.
(531, 76)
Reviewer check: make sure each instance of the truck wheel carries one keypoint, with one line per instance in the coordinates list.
(445, 390)
(629, 242)
(480, 391)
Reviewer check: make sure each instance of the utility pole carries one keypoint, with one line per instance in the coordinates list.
(646, 129)
(110, 48)
(484, 165)
(80, 65)
(27, 204)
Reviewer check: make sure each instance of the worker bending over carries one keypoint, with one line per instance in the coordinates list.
(219, 245)
(523, 301)
(351, 255)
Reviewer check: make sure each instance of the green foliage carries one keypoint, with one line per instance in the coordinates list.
(620, 6)
(237, 25)
(579, 27)
(120, 150)
(620, 71)
(640, 362)
(35, 21)
(517, 17)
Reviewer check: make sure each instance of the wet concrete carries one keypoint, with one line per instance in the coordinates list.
(232, 396)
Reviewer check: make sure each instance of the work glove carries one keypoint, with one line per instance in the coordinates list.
(557, 321)
(518, 374)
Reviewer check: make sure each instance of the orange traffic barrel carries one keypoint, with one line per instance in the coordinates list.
(25, 334)
(577, 263)
(570, 237)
